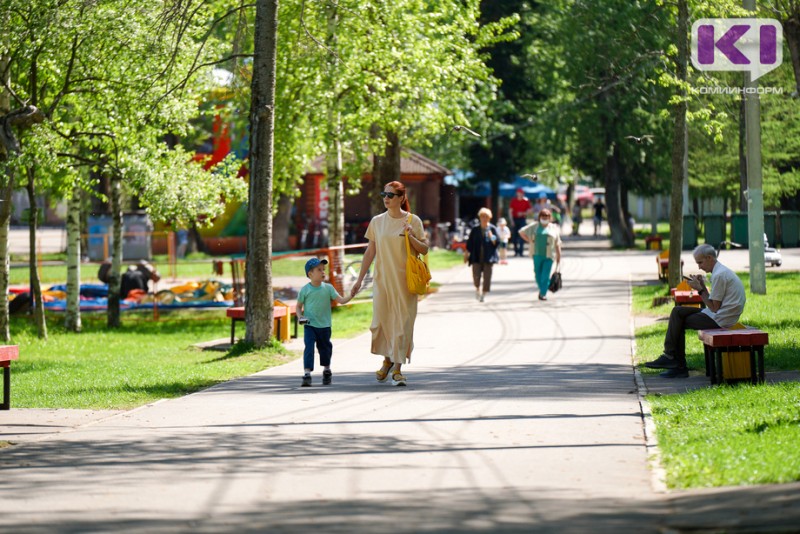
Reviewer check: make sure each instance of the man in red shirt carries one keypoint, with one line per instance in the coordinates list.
(519, 208)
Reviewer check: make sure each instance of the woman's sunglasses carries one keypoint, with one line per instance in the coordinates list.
(385, 194)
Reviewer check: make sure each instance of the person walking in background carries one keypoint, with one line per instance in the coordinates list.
(598, 208)
(519, 208)
(544, 203)
(481, 254)
(545, 240)
(505, 237)
(577, 218)
(394, 307)
(724, 305)
(314, 312)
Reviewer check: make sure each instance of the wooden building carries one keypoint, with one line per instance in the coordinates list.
(431, 199)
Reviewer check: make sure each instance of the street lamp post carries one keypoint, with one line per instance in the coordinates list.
(755, 194)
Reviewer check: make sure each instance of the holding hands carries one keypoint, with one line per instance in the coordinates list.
(355, 289)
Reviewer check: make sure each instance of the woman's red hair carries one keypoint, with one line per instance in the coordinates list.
(400, 188)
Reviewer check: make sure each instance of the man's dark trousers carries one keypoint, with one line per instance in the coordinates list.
(519, 244)
(684, 318)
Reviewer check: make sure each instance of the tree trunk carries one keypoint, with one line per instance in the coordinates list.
(36, 287)
(376, 205)
(72, 316)
(258, 279)
(7, 183)
(742, 157)
(791, 29)
(333, 159)
(5, 226)
(114, 275)
(333, 150)
(386, 168)
(680, 148)
(616, 220)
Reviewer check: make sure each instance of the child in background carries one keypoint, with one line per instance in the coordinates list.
(505, 236)
(314, 312)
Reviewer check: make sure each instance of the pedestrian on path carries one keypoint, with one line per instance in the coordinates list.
(505, 237)
(314, 306)
(545, 240)
(724, 305)
(481, 253)
(518, 209)
(394, 307)
(598, 208)
(577, 218)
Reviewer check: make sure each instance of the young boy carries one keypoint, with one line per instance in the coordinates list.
(314, 312)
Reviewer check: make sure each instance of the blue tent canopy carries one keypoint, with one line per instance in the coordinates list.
(531, 189)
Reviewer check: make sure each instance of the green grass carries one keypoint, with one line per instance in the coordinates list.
(199, 267)
(730, 435)
(351, 319)
(139, 363)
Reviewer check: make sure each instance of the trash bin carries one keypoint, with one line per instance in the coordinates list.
(689, 231)
(714, 229)
(790, 228)
(769, 228)
(137, 234)
(739, 229)
(100, 237)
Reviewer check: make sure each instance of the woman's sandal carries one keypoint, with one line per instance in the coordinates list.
(398, 379)
(383, 373)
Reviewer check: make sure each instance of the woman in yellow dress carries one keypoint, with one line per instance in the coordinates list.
(394, 307)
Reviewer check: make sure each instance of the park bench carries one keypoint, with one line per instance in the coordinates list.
(282, 314)
(734, 354)
(7, 353)
(684, 295)
(653, 242)
(662, 260)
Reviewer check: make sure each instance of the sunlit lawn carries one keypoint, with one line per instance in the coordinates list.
(730, 435)
(138, 363)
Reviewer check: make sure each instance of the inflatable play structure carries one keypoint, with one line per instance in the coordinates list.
(94, 297)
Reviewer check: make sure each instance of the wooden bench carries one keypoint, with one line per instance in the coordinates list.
(282, 313)
(7, 353)
(725, 352)
(662, 260)
(684, 295)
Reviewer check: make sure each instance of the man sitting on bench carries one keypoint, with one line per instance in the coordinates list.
(724, 306)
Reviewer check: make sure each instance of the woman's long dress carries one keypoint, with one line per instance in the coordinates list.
(394, 307)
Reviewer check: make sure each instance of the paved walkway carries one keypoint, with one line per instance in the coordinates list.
(520, 416)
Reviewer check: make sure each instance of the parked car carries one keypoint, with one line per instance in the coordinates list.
(772, 256)
(582, 195)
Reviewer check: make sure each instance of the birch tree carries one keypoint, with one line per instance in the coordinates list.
(258, 281)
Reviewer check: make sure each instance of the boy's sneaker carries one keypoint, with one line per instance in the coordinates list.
(306, 381)
(327, 376)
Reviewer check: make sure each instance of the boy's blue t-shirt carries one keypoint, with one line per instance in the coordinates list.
(317, 303)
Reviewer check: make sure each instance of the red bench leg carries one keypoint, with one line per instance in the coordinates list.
(6, 387)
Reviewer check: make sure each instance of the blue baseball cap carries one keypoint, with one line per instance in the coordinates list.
(313, 262)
